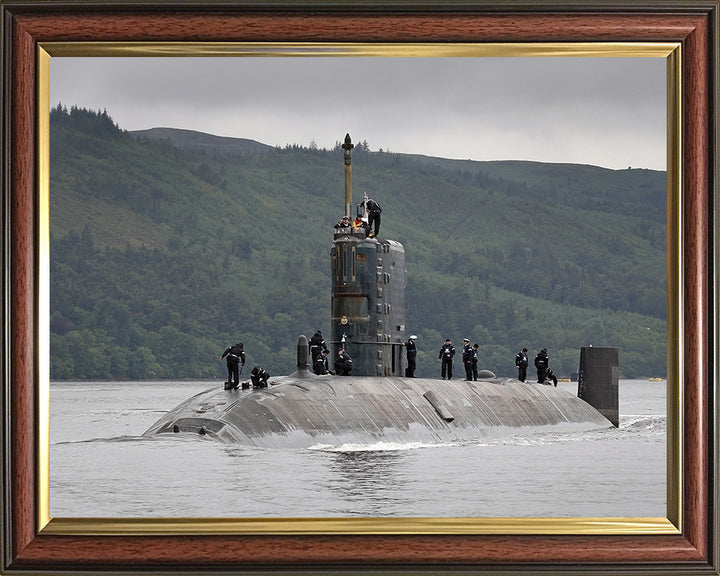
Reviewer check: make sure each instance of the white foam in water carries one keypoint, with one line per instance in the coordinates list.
(376, 447)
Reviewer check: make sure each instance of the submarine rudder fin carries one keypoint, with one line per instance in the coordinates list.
(598, 380)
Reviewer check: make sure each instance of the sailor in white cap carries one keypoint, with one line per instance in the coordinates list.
(467, 359)
(411, 350)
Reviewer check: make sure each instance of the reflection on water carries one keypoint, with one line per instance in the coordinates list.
(359, 477)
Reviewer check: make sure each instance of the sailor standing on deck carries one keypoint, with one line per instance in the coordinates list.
(411, 350)
(521, 362)
(541, 363)
(317, 345)
(446, 357)
(467, 358)
(235, 355)
(475, 361)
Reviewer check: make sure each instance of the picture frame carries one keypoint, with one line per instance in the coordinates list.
(685, 542)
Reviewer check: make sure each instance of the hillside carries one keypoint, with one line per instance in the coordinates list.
(205, 143)
(163, 253)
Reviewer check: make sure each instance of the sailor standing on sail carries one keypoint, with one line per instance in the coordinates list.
(235, 355)
(373, 213)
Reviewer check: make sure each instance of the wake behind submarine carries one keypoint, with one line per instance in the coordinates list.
(377, 403)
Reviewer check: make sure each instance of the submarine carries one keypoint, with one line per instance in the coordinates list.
(304, 410)
(377, 403)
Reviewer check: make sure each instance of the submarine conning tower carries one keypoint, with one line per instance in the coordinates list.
(368, 294)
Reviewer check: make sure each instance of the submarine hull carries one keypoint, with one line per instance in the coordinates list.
(334, 410)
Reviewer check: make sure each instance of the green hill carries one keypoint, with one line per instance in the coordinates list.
(167, 247)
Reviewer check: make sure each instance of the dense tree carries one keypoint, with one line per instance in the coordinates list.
(162, 256)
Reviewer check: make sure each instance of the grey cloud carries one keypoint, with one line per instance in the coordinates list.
(438, 106)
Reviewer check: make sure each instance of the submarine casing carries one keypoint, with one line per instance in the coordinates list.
(305, 410)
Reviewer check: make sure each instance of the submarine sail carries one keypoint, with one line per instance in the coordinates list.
(368, 304)
(368, 295)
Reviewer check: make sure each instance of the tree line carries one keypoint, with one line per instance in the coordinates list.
(161, 257)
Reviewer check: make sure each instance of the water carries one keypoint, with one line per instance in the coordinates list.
(100, 466)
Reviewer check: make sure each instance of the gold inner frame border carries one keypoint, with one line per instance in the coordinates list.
(380, 526)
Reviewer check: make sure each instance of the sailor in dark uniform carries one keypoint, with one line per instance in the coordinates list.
(475, 361)
(259, 377)
(550, 375)
(317, 345)
(235, 355)
(467, 359)
(343, 223)
(373, 211)
(411, 350)
(320, 364)
(343, 363)
(521, 362)
(446, 357)
(541, 363)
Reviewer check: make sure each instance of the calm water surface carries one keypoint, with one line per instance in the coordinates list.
(100, 466)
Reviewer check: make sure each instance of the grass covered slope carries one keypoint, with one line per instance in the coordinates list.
(161, 255)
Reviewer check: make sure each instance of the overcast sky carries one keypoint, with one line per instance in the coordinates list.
(606, 112)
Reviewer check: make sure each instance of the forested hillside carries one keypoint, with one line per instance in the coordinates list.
(161, 256)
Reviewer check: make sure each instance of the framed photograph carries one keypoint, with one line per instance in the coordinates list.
(683, 33)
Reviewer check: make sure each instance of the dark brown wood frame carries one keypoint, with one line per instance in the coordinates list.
(26, 24)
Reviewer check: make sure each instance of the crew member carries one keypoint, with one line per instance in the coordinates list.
(344, 223)
(343, 363)
(373, 211)
(475, 361)
(360, 225)
(317, 345)
(259, 377)
(320, 364)
(521, 362)
(550, 375)
(446, 357)
(411, 350)
(541, 363)
(235, 355)
(467, 358)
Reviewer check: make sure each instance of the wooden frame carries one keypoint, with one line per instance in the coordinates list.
(29, 546)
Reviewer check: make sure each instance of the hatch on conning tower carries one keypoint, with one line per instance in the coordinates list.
(368, 295)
